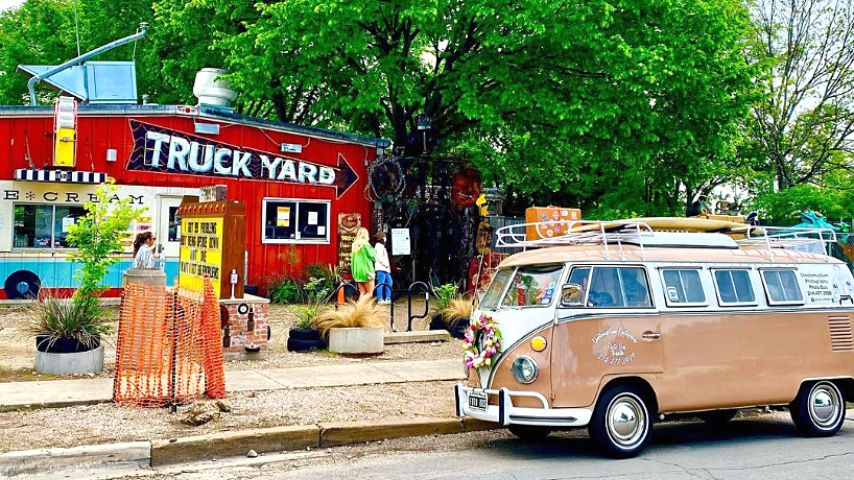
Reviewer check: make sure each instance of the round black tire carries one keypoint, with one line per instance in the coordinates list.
(304, 333)
(297, 345)
(529, 432)
(621, 422)
(819, 409)
(718, 418)
(22, 284)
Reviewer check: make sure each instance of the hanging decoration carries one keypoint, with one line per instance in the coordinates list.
(385, 177)
(482, 342)
(465, 188)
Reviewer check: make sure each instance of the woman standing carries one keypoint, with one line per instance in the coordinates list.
(143, 257)
(383, 268)
(362, 259)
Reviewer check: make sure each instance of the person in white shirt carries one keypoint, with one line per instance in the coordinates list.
(143, 256)
(383, 269)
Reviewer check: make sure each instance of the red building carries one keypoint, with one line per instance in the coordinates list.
(297, 183)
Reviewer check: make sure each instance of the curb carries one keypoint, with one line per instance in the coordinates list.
(31, 463)
(117, 457)
(279, 439)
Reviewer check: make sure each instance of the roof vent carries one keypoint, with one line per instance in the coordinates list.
(211, 89)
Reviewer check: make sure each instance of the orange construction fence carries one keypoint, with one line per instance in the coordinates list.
(169, 347)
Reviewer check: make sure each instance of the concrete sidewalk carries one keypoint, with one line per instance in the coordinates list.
(63, 393)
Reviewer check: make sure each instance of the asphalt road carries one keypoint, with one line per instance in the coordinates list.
(753, 448)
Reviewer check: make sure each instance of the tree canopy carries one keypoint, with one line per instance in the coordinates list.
(620, 107)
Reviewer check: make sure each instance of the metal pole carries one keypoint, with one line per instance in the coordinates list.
(173, 406)
(31, 84)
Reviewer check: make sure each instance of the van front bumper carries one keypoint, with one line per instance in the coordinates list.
(506, 414)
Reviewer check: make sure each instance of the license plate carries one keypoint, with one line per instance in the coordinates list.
(478, 400)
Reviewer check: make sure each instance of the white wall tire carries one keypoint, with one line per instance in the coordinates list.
(819, 409)
(621, 422)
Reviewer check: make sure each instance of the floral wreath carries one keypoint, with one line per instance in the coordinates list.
(484, 329)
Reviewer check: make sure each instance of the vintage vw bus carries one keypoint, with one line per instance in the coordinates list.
(616, 326)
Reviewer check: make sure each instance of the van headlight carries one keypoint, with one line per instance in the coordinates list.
(525, 370)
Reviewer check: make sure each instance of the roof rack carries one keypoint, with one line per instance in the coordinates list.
(580, 232)
(799, 239)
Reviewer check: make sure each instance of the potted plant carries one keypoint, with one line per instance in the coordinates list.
(68, 331)
(358, 327)
(452, 311)
(304, 336)
(456, 316)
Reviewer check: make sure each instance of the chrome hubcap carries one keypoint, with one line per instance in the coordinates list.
(626, 420)
(825, 405)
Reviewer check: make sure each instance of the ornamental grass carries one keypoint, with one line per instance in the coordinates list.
(363, 313)
(457, 309)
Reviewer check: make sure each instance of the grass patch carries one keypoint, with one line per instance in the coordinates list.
(24, 375)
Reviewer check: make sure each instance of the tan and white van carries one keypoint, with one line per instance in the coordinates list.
(617, 326)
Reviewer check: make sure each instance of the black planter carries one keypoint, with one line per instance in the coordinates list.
(458, 327)
(63, 345)
(304, 340)
(438, 322)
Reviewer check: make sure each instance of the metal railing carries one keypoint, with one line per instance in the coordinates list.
(413, 289)
(804, 240)
(580, 232)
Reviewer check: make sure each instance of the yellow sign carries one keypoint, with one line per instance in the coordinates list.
(201, 253)
(63, 155)
(283, 217)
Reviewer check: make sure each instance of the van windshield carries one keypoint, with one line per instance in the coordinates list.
(533, 286)
(496, 289)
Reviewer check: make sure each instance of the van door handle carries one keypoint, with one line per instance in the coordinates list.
(651, 335)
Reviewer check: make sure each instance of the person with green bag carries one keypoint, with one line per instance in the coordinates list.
(362, 259)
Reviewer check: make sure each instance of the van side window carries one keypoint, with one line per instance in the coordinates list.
(618, 287)
(782, 286)
(734, 287)
(683, 286)
(578, 276)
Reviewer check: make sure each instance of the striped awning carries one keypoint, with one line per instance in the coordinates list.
(60, 176)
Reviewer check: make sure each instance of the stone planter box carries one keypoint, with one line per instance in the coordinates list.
(76, 363)
(356, 340)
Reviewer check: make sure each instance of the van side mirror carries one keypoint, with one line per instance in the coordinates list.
(572, 295)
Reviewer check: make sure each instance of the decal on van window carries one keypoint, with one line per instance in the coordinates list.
(613, 346)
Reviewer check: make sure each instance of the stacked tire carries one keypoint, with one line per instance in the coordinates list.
(304, 340)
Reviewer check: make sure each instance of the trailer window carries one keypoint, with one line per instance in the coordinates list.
(287, 220)
(734, 287)
(782, 287)
(44, 226)
(683, 286)
(618, 287)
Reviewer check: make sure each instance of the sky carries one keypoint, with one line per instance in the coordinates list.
(4, 4)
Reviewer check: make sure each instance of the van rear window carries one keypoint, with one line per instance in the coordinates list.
(782, 286)
(734, 287)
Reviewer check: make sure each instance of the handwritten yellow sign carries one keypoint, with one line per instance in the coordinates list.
(201, 253)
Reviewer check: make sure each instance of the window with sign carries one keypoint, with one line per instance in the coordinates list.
(782, 287)
(683, 286)
(287, 220)
(44, 226)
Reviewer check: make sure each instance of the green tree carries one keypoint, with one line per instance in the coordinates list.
(804, 125)
(96, 238)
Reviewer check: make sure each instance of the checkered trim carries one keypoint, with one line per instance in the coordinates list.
(60, 176)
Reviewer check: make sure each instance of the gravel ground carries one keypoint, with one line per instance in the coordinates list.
(17, 352)
(107, 423)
